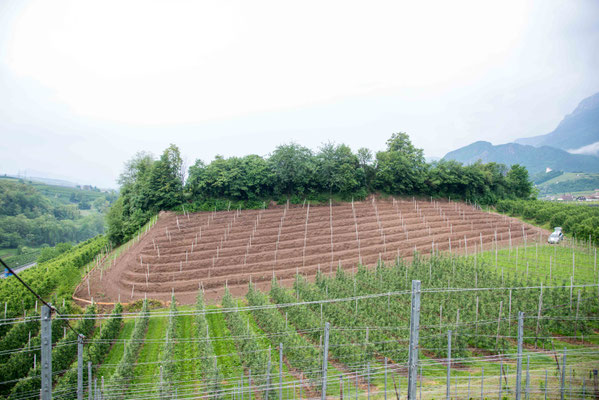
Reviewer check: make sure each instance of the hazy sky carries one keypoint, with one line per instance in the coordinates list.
(84, 85)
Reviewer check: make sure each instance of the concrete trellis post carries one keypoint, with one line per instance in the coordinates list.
(563, 377)
(448, 388)
(325, 357)
(280, 371)
(89, 380)
(527, 387)
(385, 378)
(414, 336)
(519, 360)
(80, 367)
(46, 349)
(482, 383)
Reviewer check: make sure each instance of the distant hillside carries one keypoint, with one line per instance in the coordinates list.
(51, 181)
(578, 132)
(535, 159)
(569, 182)
(34, 214)
(64, 194)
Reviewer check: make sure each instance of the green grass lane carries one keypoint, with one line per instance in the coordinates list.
(545, 261)
(116, 351)
(228, 360)
(147, 375)
(186, 349)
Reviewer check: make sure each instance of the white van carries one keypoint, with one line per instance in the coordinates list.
(556, 237)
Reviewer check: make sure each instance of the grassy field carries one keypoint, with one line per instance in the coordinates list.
(147, 370)
(228, 360)
(116, 351)
(186, 349)
(550, 263)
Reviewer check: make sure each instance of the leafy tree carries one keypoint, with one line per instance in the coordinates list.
(245, 178)
(166, 180)
(19, 198)
(519, 182)
(338, 169)
(147, 187)
(100, 204)
(293, 167)
(84, 205)
(136, 169)
(131, 209)
(400, 169)
(365, 158)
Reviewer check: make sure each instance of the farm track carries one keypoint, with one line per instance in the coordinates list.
(214, 249)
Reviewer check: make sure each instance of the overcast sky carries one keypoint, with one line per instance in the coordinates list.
(84, 85)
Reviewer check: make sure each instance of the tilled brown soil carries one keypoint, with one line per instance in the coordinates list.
(181, 252)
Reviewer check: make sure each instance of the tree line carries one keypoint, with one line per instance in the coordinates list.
(294, 172)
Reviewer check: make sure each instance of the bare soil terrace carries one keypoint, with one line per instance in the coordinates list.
(181, 252)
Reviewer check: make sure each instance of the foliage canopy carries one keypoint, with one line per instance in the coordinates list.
(295, 172)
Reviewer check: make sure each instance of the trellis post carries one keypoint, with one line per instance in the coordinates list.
(482, 383)
(89, 380)
(562, 388)
(80, 367)
(448, 391)
(325, 356)
(46, 349)
(280, 371)
(414, 334)
(527, 387)
(519, 360)
(268, 375)
(385, 378)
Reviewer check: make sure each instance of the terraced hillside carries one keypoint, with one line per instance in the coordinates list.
(181, 252)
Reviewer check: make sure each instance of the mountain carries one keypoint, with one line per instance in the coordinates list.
(577, 133)
(535, 159)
